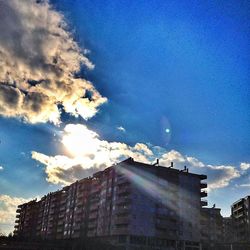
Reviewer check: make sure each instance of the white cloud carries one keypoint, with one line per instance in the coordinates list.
(8, 206)
(1, 168)
(245, 185)
(121, 129)
(38, 66)
(245, 166)
(88, 153)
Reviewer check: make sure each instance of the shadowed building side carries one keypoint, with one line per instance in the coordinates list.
(130, 204)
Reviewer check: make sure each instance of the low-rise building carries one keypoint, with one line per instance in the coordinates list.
(211, 227)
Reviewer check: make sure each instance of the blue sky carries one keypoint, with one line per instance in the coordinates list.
(177, 65)
(181, 60)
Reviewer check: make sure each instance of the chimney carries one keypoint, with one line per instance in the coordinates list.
(172, 165)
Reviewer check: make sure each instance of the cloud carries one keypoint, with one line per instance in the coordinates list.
(1, 168)
(87, 153)
(122, 129)
(8, 206)
(245, 185)
(245, 166)
(38, 63)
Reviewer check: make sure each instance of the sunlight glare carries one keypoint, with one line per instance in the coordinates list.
(79, 140)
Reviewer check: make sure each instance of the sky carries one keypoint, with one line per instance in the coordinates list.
(85, 84)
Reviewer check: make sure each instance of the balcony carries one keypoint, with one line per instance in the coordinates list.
(123, 210)
(121, 230)
(91, 233)
(77, 227)
(92, 225)
(122, 180)
(203, 203)
(238, 208)
(93, 216)
(60, 223)
(203, 194)
(61, 216)
(124, 190)
(59, 230)
(203, 185)
(122, 220)
(123, 200)
(62, 202)
(94, 207)
(94, 199)
(203, 177)
(62, 209)
(95, 190)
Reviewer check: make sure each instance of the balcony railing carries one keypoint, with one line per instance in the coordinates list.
(203, 177)
(121, 231)
(203, 194)
(203, 203)
(93, 215)
(124, 190)
(122, 220)
(122, 180)
(203, 185)
(123, 200)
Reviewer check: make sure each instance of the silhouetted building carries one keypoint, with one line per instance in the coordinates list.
(227, 229)
(26, 219)
(130, 204)
(211, 227)
(241, 219)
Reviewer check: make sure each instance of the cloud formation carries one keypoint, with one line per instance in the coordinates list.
(245, 166)
(87, 153)
(122, 129)
(8, 206)
(38, 63)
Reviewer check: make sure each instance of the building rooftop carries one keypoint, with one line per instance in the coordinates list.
(152, 167)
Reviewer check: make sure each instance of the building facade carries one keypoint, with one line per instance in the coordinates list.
(130, 204)
(240, 212)
(227, 229)
(211, 227)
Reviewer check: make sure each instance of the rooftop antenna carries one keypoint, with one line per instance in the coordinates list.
(171, 165)
(156, 163)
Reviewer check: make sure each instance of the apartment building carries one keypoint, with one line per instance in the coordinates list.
(240, 212)
(227, 229)
(131, 204)
(26, 219)
(211, 227)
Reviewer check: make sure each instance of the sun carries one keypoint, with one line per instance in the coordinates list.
(79, 140)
